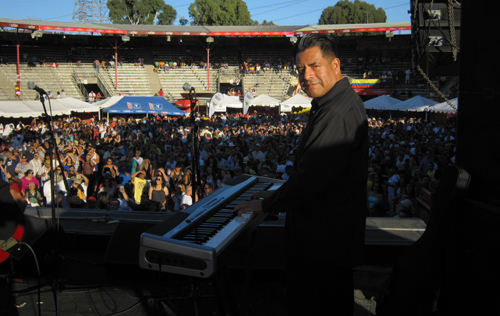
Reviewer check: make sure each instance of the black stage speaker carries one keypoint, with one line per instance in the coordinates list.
(123, 247)
(436, 30)
(471, 274)
(479, 109)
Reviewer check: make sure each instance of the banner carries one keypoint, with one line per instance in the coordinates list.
(365, 83)
(373, 91)
(246, 101)
(216, 104)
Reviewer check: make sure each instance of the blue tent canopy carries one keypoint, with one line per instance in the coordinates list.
(144, 105)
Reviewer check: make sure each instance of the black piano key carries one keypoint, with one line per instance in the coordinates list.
(210, 224)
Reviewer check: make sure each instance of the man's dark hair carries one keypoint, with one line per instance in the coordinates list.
(325, 42)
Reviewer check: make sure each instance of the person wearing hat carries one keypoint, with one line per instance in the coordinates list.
(405, 207)
(79, 186)
(76, 202)
(237, 170)
(33, 196)
(44, 173)
(36, 162)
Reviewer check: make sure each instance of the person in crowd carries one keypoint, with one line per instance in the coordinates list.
(139, 181)
(187, 198)
(33, 196)
(177, 197)
(22, 167)
(376, 200)
(29, 177)
(107, 186)
(175, 175)
(158, 191)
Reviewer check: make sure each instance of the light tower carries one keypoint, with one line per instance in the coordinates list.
(90, 11)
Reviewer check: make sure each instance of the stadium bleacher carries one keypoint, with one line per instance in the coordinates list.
(134, 79)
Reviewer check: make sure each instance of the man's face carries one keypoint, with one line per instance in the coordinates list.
(317, 75)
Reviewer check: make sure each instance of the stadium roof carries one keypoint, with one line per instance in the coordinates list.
(271, 30)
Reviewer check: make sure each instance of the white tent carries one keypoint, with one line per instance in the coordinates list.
(232, 101)
(265, 100)
(444, 107)
(417, 103)
(297, 100)
(24, 108)
(220, 102)
(382, 102)
(108, 102)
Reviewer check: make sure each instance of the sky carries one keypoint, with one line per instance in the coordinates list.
(281, 12)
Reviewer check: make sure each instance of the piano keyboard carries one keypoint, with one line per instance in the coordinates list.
(190, 242)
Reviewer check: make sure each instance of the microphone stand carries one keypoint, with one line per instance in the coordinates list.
(195, 176)
(55, 223)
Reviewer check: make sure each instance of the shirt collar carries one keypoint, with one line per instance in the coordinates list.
(336, 89)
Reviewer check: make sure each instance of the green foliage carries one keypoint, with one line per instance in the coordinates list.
(183, 20)
(167, 15)
(141, 12)
(219, 12)
(346, 12)
(256, 23)
(267, 23)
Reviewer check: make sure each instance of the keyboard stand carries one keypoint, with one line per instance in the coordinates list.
(246, 247)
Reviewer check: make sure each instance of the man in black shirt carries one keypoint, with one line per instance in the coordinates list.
(325, 196)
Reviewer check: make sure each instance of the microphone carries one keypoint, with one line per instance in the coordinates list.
(33, 86)
(187, 87)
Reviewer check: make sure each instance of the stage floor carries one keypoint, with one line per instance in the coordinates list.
(98, 270)
(88, 286)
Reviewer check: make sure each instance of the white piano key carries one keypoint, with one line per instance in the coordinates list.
(226, 234)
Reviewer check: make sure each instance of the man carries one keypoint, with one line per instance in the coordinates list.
(11, 160)
(259, 155)
(325, 195)
(36, 163)
(139, 183)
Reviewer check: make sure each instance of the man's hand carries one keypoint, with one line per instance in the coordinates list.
(261, 195)
(248, 206)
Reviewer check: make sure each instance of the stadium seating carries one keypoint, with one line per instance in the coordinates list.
(133, 79)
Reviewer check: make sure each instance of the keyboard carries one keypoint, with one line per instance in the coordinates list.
(190, 242)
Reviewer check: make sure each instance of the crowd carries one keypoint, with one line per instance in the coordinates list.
(145, 164)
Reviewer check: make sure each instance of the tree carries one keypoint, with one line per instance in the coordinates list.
(219, 12)
(167, 15)
(346, 12)
(141, 12)
(264, 23)
(183, 20)
(267, 23)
